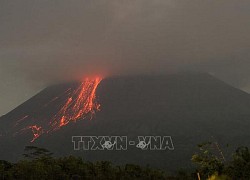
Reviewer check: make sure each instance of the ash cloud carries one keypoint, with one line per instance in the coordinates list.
(47, 41)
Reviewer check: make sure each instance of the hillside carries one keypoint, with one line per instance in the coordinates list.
(189, 107)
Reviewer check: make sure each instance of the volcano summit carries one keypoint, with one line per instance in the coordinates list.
(190, 107)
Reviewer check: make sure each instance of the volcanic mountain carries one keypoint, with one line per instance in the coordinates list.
(189, 107)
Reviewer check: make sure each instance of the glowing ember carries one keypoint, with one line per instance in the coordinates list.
(36, 130)
(80, 104)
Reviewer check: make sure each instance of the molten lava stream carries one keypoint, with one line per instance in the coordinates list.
(36, 130)
(81, 103)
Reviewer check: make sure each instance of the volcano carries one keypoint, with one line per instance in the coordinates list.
(189, 107)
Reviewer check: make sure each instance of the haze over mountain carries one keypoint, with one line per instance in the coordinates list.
(42, 42)
(189, 107)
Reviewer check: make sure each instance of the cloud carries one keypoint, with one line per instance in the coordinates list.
(48, 41)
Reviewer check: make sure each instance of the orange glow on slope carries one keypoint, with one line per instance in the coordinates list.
(36, 130)
(80, 104)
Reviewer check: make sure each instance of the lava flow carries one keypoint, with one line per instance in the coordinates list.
(80, 104)
(36, 130)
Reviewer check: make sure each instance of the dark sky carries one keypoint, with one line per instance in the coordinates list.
(45, 41)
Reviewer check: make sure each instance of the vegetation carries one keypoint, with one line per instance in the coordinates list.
(212, 165)
(39, 163)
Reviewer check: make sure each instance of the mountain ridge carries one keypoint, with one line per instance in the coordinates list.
(190, 107)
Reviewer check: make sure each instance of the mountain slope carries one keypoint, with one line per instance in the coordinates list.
(191, 108)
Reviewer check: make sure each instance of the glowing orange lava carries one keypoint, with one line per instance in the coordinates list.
(36, 130)
(80, 104)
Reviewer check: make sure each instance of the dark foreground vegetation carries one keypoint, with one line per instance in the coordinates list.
(211, 164)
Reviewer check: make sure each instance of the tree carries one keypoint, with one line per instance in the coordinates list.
(36, 153)
(5, 166)
(239, 167)
(208, 162)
